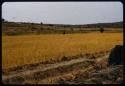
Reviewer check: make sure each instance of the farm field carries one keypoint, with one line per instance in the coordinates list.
(30, 49)
(62, 43)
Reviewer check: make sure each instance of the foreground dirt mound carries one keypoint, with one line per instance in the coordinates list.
(116, 56)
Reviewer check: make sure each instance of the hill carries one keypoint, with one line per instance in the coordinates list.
(16, 28)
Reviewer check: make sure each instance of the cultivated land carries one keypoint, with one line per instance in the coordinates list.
(29, 49)
(66, 54)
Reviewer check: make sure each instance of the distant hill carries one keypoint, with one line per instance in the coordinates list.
(111, 25)
(106, 25)
(22, 27)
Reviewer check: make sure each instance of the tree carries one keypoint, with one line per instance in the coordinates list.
(3, 20)
(64, 32)
(101, 29)
(41, 23)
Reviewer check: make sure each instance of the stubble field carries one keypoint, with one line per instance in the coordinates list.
(30, 49)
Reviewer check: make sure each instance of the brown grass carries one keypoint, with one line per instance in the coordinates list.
(27, 49)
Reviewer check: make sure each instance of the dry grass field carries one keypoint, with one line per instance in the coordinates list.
(29, 49)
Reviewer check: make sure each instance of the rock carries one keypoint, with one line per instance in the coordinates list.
(116, 56)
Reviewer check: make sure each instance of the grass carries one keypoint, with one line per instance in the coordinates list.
(27, 49)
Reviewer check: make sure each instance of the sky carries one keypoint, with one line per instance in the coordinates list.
(63, 12)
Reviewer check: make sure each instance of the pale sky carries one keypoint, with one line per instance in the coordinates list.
(63, 12)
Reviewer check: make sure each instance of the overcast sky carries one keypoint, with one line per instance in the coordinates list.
(63, 12)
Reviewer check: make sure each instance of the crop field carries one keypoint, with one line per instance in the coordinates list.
(70, 43)
(63, 58)
(29, 49)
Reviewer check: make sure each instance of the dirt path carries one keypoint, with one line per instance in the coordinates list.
(51, 67)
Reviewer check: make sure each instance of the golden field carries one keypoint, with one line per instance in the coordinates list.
(27, 49)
